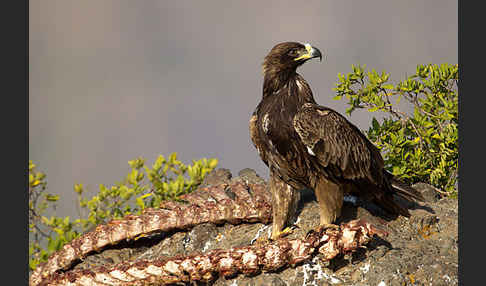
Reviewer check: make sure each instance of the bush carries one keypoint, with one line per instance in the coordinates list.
(418, 147)
(167, 180)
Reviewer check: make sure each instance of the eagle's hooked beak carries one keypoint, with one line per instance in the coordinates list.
(311, 52)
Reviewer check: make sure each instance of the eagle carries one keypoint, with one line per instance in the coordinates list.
(309, 146)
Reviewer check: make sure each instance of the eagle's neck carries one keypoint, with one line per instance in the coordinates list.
(288, 86)
(275, 81)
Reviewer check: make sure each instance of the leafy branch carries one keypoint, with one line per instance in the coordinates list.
(417, 147)
(143, 187)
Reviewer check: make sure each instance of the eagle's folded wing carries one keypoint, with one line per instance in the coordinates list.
(255, 138)
(338, 145)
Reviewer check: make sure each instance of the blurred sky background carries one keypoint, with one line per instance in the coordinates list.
(113, 80)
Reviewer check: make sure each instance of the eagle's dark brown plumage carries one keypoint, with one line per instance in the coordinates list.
(306, 145)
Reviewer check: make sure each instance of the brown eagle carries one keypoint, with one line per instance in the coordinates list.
(306, 145)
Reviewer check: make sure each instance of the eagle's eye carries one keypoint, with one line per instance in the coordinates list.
(293, 52)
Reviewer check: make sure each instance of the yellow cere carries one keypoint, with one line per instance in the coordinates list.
(308, 47)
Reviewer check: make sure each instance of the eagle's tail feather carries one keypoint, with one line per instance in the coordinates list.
(387, 203)
(405, 191)
(401, 189)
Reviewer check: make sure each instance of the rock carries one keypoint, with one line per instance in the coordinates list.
(421, 250)
(249, 176)
(217, 176)
(428, 191)
(199, 238)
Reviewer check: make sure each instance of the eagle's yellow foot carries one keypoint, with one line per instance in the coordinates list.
(286, 231)
(140, 236)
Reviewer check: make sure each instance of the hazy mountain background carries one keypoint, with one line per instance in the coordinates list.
(113, 80)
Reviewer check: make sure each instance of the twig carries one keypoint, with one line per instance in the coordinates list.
(403, 117)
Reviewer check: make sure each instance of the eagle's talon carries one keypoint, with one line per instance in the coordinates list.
(285, 232)
(279, 234)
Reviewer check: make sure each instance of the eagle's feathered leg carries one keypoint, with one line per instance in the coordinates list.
(330, 198)
(285, 201)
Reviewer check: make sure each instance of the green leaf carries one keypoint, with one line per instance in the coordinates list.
(52, 198)
(436, 136)
(375, 124)
(373, 109)
(78, 188)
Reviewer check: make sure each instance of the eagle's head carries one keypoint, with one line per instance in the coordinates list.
(286, 57)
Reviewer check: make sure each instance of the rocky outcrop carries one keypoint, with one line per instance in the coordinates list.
(421, 250)
(227, 263)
